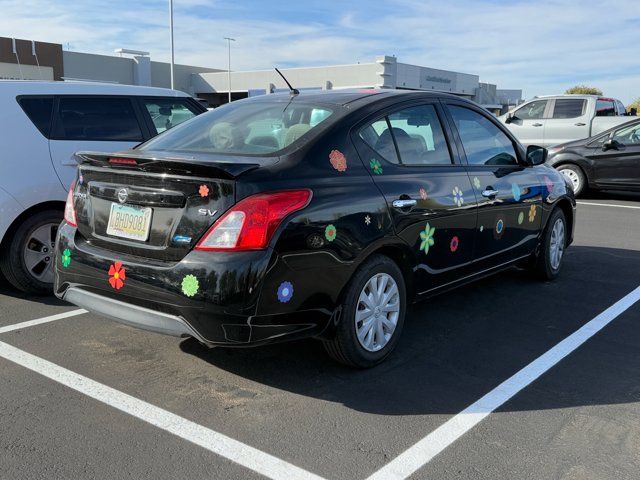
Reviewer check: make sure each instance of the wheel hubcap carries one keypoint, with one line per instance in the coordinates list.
(38, 250)
(556, 246)
(377, 312)
(573, 178)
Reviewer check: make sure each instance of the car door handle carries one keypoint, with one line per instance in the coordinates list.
(537, 124)
(579, 124)
(404, 203)
(489, 193)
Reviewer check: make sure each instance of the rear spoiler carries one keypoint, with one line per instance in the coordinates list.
(176, 165)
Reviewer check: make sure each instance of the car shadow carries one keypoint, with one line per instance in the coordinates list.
(460, 345)
(7, 290)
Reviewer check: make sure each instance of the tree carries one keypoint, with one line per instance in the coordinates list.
(583, 90)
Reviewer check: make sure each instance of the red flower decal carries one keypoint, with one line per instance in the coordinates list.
(338, 160)
(117, 275)
(203, 191)
(423, 194)
(454, 244)
(549, 183)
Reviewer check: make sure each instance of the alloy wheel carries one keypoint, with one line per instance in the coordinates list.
(377, 312)
(556, 245)
(573, 177)
(38, 252)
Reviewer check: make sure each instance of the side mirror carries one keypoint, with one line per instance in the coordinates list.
(510, 118)
(536, 155)
(612, 144)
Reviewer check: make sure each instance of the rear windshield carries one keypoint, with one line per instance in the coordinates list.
(245, 128)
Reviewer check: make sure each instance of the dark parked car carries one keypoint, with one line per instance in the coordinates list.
(317, 215)
(608, 161)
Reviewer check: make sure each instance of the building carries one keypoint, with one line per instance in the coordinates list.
(384, 72)
(31, 60)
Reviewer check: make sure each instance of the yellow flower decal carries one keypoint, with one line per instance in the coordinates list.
(532, 213)
(427, 238)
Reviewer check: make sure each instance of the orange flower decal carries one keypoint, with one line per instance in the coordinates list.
(117, 275)
(203, 191)
(338, 160)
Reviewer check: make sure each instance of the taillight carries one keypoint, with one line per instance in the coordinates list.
(122, 161)
(69, 209)
(251, 223)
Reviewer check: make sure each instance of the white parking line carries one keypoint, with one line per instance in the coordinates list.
(40, 321)
(426, 449)
(608, 205)
(211, 440)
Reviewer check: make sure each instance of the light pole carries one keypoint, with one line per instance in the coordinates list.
(171, 34)
(229, 40)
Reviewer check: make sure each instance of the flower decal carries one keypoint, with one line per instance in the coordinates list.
(66, 258)
(423, 194)
(549, 183)
(426, 238)
(454, 244)
(458, 199)
(520, 218)
(375, 166)
(117, 275)
(338, 160)
(476, 183)
(499, 228)
(367, 219)
(285, 292)
(203, 191)
(330, 233)
(190, 285)
(532, 213)
(515, 190)
(481, 228)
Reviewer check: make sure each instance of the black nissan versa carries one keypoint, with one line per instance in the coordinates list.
(312, 215)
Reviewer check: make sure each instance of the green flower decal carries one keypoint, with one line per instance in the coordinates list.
(330, 233)
(375, 166)
(520, 218)
(66, 258)
(476, 183)
(427, 238)
(190, 285)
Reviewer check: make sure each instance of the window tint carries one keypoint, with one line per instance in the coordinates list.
(168, 112)
(484, 143)
(38, 109)
(621, 109)
(97, 118)
(569, 108)
(377, 135)
(605, 108)
(628, 135)
(532, 111)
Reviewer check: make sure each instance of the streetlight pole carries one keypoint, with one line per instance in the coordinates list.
(171, 34)
(229, 40)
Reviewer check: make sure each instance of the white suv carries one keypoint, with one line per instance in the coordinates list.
(42, 124)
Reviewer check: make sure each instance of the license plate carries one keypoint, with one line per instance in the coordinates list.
(128, 221)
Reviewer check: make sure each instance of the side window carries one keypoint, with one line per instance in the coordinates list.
(621, 109)
(38, 109)
(378, 136)
(97, 118)
(484, 143)
(168, 112)
(605, 108)
(628, 135)
(569, 108)
(532, 110)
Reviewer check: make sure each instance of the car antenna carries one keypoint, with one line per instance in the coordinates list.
(292, 91)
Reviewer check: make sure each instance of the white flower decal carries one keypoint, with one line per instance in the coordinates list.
(457, 196)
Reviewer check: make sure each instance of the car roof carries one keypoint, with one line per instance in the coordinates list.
(30, 87)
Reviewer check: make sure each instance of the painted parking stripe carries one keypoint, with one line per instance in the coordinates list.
(607, 205)
(40, 321)
(426, 449)
(215, 442)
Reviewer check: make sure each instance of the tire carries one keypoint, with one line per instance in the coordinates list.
(547, 265)
(346, 347)
(27, 260)
(575, 175)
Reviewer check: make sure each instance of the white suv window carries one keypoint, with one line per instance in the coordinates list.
(167, 113)
(569, 108)
(532, 110)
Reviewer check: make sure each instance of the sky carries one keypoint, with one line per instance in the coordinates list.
(541, 46)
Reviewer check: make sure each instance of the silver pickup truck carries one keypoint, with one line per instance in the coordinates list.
(551, 120)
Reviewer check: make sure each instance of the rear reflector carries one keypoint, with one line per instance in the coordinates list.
(69, 208)
(122, 161)
(251, 223)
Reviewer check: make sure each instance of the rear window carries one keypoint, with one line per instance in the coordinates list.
(605, 108)
(569, 108)
(245, 128)
(38, 109)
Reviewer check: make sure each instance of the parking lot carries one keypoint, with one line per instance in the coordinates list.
(84, 397)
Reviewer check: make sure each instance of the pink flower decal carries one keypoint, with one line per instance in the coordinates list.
(549, 183)
(338, 160)
(203, 191)
(117, 275)
(423, 194)
(454, 244)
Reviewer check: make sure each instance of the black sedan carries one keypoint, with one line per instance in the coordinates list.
(607, 161)
(313, 215)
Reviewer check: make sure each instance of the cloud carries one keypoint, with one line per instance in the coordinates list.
(543, 47)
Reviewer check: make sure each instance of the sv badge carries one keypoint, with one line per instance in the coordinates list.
(206, 212)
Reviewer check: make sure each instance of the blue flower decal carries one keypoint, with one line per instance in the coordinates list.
(515, 189)
(285, 292)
